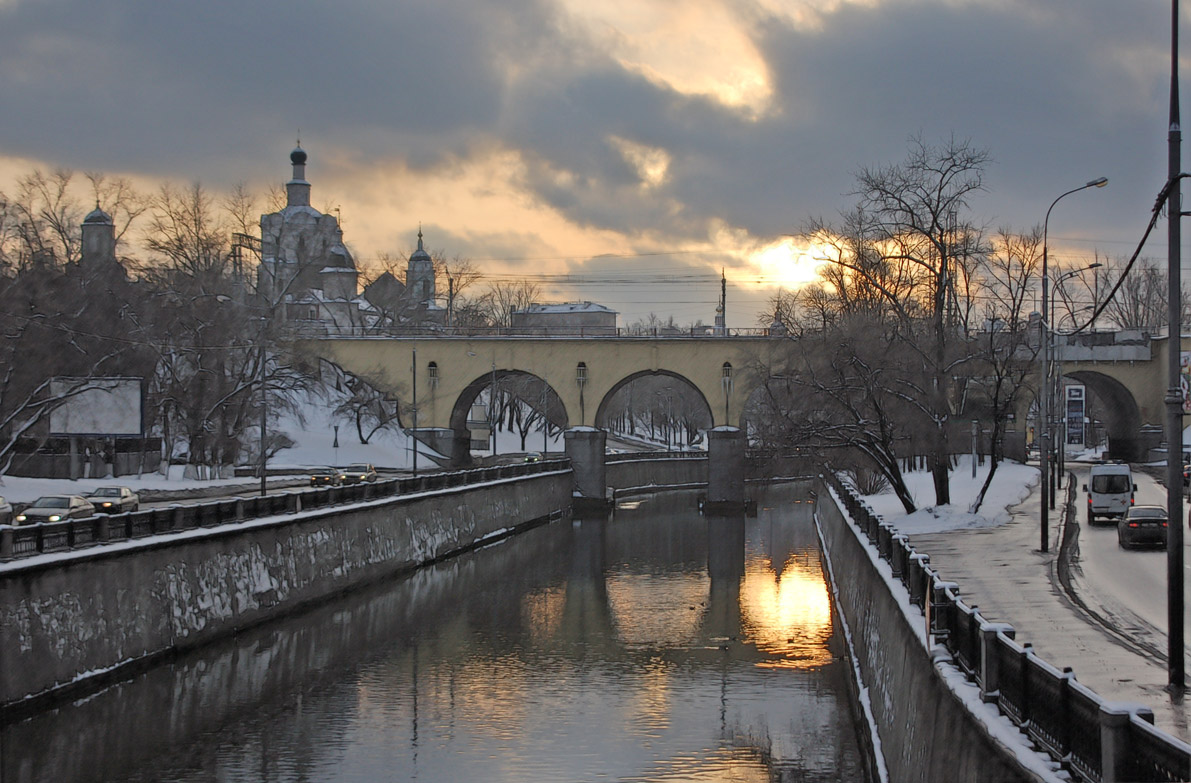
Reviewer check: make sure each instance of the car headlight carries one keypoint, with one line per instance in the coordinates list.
(54, 518)
(107, 504)
(21, 517)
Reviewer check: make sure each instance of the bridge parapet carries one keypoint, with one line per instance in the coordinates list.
(1128, 345)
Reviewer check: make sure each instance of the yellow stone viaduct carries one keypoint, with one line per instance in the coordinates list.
(583, 371)
(1125, 371)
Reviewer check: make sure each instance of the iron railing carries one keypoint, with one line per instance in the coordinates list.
(1094, 739)
(21, 541)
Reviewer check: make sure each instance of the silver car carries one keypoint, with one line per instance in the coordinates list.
(55, 508)
(114, 500)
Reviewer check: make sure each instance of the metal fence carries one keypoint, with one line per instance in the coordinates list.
(1095, 740)
(22, 541)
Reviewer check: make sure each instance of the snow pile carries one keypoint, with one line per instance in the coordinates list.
(1010, 486)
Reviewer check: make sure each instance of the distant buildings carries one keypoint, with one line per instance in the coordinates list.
(308, 277)
(570, 318)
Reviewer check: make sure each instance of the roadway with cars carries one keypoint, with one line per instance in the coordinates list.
(1124, 588)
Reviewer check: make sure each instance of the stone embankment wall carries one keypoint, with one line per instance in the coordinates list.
(927, 733)
(71, 617)
(646, 474)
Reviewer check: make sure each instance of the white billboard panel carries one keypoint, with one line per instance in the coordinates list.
(97, 406)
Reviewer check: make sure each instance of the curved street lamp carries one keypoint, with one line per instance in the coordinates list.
(1044, 417)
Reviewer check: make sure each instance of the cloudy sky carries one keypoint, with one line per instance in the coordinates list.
(639, 145)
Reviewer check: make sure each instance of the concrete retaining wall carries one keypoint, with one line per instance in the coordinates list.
(659, 472)
(926, 732)
(69, 617)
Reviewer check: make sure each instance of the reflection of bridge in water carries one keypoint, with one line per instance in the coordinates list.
(1124, 373)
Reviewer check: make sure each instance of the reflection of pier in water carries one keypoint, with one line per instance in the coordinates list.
(629, 615)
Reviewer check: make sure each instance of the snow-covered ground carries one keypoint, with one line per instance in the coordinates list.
(312, 428)
(1010, 486)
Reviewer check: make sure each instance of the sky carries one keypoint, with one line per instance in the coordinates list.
(640, 146)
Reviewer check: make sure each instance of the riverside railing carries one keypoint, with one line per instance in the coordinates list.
(22, 541)
(1098, 741)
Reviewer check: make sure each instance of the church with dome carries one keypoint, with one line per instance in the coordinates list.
(308, 277)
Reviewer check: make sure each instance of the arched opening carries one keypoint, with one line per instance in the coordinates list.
(658, 409)
(506, 414)
(1111, 416)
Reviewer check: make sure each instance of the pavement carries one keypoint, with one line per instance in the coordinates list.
(1003, 571)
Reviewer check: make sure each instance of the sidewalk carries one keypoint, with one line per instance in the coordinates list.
(1002, 571)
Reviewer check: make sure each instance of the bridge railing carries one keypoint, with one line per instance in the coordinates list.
(22, 541)
(638, 456)
(531, 332)
(1098, 741)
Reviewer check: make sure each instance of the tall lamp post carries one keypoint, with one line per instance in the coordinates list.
(1059, 433)
(1044, 386)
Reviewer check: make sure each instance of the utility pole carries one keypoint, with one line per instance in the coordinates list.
(413, 435)
(1174, 395)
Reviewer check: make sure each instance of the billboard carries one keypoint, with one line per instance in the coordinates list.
(97, 407)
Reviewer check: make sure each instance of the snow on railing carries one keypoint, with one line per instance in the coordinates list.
(22, 541)
(1097, 740)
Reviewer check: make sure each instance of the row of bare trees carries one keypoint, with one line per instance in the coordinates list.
(922, 321)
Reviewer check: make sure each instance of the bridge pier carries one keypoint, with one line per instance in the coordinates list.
(585, 449)
(725, 471)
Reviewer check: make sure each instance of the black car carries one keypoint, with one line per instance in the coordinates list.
(1142, 526)
(326, 477)
(358, 473)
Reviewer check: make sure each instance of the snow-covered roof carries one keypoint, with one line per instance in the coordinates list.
(568, 307)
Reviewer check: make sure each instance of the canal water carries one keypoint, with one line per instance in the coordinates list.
(657, 645)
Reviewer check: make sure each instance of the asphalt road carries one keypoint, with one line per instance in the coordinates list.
(1126, 589)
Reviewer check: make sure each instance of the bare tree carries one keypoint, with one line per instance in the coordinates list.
(901, 245)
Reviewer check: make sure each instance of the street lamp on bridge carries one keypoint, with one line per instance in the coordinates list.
(1044, 385)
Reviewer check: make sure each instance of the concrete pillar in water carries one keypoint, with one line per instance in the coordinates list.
(585, 449)
(725, 471)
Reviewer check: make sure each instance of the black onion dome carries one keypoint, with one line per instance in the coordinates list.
(298, 157)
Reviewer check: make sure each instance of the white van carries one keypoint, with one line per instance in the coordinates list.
(1110, 491)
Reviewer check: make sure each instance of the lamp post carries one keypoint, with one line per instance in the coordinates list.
(1059, 433)
(1044, 386)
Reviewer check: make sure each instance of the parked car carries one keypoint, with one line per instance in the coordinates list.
(359, 473)
(114, 500)
(326, 477)
(1142, 526)
(5, 512)
(55, 508)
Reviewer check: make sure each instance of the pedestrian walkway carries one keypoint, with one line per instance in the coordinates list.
(1003, 572)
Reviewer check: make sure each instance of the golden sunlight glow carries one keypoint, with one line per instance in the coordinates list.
(704, 50)
(650, 163)
(787, 262)
(787, 614)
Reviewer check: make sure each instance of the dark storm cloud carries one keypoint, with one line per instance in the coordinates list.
(1058, 94)
(182, 87)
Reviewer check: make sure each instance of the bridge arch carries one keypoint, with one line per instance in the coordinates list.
(1118, 411)
(603, 412)
(461, 409)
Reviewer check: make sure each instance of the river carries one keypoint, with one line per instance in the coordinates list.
(657, 645)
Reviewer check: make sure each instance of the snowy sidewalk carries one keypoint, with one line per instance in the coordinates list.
(1002, 570)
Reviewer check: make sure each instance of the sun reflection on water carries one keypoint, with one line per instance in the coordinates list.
(787, 614)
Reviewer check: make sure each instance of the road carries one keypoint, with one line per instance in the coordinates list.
(1125, 589)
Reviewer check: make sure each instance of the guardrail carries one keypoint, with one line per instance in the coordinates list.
(635, 456)
(22, 541)
(1096, 740)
